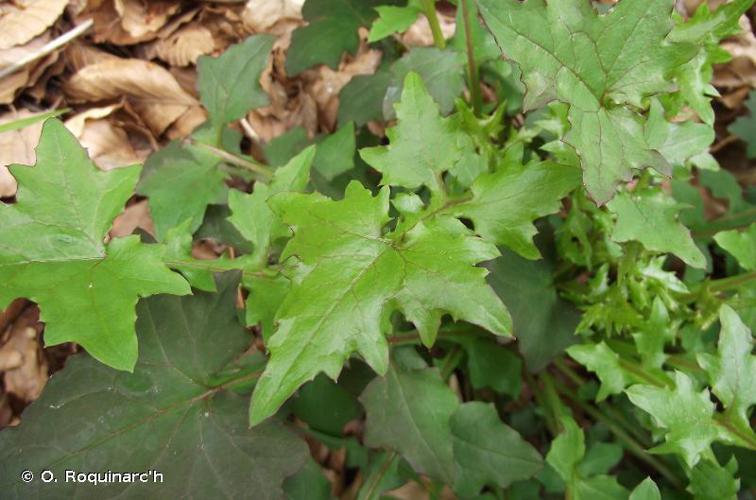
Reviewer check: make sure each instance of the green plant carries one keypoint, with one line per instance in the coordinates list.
(518, 308)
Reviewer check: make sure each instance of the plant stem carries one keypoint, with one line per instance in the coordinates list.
(255, 167)
(429, 9)
(451, 361)
(731, 282)
(630, 444)
(472, 67)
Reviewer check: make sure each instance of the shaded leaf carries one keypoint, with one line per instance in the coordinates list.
(90, 417)
(486, 451)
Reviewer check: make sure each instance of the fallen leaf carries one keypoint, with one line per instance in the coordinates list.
(420, 34)
(10, 85)
(22, 359)
(16, 146)
(183, 47)
(150, 89)
(140, 18)
(24, 22)
(261, 15)
(135, 216)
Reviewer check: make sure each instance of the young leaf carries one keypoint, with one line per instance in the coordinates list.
(422, 145)
(410, 411)
(353, 277)
(646, 490)
(741, 244)
(568, 52)
(52, 251)
(229, 85)
(90, 418)
(745, 126)
(566, 453)
(486, 451)
(684, 414)
(392, 20)
(711, 481)
(252, 216)
(361, 100)
(506, 202)
(732, 372)
(650, 217)
(600, 358)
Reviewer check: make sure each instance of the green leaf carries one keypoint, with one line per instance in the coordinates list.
(181, 181)
(491, 365)
(602, 66)
(392, 20)
(600, 359)
(506, 202)
(361, 100)
(745, 126)
(410, 411)
(684, 414)
(677, 142)
(741, 244)
(381, 474)
(650, 217)
(732, 371)
(329, 418)
(567, 449)
(442, 71)
(164, 417)
(52, 251)
(331, 30)
(336, 153)
(566, 453)
(308, 484)
(711, 481)
(646, 490)
(229, 85)
(252, 216)
(488, 452)
(544, 324)
(178, 255)
(352, 277)
(422, 144)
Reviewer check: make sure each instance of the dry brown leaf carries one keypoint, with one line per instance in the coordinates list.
(184, 46)
(187, 123)
(135, 216)
(22, 360)
(142, 18)
(22, 23)
(420, 34)
(16, 146)
(108, 145)
(78, 55)
(261, 15)
(150, 89)
(12, 84)
(107, 25)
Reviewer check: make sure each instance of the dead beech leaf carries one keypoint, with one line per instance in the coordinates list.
(187, 123)
(16, 146)
(22, 23)
(420, 34)
(150, 89)
(107, 25)
(135, 216)
(140, 18)
(79, 54)
(108, 145)
(24, 363)
(261, 15)
(183, 47)
(12, 84)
